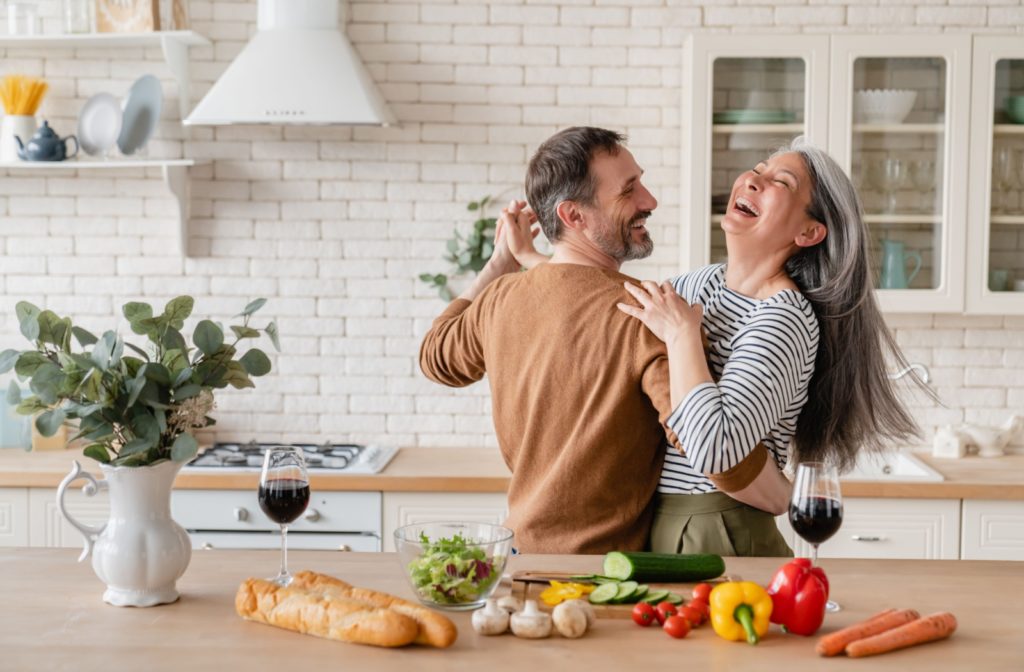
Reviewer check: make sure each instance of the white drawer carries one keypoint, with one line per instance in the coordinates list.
(993, 530)
(239, 510)
(919, 529)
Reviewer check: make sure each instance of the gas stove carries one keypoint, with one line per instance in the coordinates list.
(344, 458)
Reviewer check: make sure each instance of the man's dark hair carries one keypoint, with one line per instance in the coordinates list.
(560, 171)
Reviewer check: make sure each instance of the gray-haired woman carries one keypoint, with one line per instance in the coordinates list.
(797, 354)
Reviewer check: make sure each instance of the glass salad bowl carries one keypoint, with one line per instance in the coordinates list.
(453, 565)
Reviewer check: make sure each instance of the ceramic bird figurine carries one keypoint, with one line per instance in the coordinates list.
(990, 441)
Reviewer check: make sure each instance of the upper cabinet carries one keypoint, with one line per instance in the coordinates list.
(995, 204)
(895, 112)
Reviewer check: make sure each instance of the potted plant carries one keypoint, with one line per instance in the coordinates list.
(137, 409)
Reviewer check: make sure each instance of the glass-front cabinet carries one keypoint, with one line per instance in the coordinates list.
(892, 110)
(995, 231)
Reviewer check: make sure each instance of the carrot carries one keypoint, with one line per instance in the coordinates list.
(927, 629)
(835, 643)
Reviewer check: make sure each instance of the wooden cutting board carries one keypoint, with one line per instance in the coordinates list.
(528, 584)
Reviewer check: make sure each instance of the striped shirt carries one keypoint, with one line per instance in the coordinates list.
(762, 355)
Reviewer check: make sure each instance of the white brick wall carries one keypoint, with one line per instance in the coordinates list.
(333, 224)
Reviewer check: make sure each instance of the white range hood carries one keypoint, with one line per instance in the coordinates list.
(298, 69)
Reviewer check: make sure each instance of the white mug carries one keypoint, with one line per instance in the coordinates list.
(21, 125)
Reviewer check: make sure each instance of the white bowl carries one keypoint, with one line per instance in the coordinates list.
(883, 106)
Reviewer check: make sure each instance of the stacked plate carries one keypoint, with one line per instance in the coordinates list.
(104, 122)
(745, 116)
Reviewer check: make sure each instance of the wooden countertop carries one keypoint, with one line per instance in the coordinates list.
(480, 470)
(54, 618)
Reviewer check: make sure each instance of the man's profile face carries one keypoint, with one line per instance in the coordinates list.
(621, 208)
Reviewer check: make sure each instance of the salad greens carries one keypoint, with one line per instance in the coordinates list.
(453, 571)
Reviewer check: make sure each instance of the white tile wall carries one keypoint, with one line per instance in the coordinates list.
(334, 224)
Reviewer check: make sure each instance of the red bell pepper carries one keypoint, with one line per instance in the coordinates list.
(799, 593)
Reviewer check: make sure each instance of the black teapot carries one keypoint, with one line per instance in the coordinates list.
(46, 145)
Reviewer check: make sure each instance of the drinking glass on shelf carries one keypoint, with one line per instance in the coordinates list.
(816, 507)
(922, 175)
(283, 495)
(1003, 178)
(890, 177)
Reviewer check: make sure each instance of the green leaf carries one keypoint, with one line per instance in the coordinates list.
(174, 360)
(84, 338)
(135, 446)
(7, 360)
(103, 351)
(208, 337)
(75, 409)
(46, 381)
(173, 340)
(28, 319)
(13, 393)
(245, 332)
(29, 362)
(137, 349)
(237, 376)
(252, 307)
(177, 310)
(473, 206)
(158, 373)
(182, 376)
(133, 460)
(184, 448)
(49, 422)
(135, 313)
(135, 386)
(452, 245)
(256, 362)
(30, 406)
(274, 335)
(187, 391)
(150, 327)
(98, 452)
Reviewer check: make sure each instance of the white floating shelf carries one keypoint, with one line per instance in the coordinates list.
(899, 128)
(1008, 129)
(729, 129)
(173, 43)
(175, 173)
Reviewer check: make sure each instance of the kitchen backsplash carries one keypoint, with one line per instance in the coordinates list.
(333, 225)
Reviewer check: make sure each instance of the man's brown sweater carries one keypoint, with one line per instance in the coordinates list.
(580, 394)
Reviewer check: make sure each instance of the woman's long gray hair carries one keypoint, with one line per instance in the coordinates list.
(851, 404)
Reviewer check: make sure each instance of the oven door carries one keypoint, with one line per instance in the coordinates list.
(297, 541)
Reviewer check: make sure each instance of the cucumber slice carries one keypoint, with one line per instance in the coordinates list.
(641, 590)
(604, 593)
(655, 596)
(626, 591)
(674, 598)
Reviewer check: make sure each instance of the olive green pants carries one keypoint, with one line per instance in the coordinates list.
(714, 522)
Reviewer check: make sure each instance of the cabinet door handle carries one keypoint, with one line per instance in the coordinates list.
(312, 515)
(241, 514)
(207, 546)
(863, 537)
(344, 548)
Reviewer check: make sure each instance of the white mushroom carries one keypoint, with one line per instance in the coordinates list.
(511, 604)
(587, 608)
(531, 622)
(491, 620)
(570, 619)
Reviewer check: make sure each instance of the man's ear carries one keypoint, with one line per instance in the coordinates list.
(570, 214)
(813, 233)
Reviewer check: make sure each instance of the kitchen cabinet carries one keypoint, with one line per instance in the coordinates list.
(992, 530)
(13, 516)
(47, 527)
(748, 95)
(404, 508)
(911, 529)
(995, 243)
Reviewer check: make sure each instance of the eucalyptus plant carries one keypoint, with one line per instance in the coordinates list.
(135, 406)
(467, 253)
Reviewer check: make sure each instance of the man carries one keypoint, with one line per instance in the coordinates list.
(580, 390)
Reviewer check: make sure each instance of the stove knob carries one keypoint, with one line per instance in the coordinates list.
(344, 548)
(312, 515)
(241, 514)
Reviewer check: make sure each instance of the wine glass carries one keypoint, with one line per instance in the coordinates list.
(283, 495)
(922, 174)
(816, 508)
(1003, 179)
(892, 174)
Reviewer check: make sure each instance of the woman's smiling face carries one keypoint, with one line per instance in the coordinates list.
(769, 203)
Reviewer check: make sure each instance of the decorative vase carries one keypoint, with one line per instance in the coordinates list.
(140, 552)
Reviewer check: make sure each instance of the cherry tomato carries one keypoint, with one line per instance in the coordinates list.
(664, 610)
(702, 591)
(692, 614)
(676, 626)
(703, 607)
(644, 614)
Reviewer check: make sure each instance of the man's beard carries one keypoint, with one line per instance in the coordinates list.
(621, 247)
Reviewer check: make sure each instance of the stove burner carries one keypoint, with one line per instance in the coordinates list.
(327, 456)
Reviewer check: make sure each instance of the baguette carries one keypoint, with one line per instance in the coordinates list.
(434, 629)
(317, 613)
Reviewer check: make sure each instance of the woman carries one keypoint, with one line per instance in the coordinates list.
(796, 351)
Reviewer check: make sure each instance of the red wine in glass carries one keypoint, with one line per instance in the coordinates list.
(283, 495)
(816, 508)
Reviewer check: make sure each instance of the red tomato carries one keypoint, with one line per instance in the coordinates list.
(676, 626)
(644, 614)
(692, 614)
(703, 607)
(702, 591)
(664, 610)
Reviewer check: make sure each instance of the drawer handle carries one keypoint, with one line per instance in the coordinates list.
(241, 514)
(312, 515)
(862, 537)
(207, 546)
(344, 548)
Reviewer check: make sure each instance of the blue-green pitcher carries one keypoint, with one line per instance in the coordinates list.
(894, 265)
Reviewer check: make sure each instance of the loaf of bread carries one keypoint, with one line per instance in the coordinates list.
(434, 628)
(324, 614)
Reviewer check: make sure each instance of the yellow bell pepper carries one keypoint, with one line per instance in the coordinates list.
(559, 592)
(740, 609)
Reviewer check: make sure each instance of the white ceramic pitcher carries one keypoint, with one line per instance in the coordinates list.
(140, 552)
